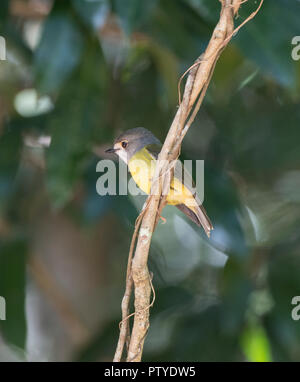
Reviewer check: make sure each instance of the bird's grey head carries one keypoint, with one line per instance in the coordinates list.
(132, 141)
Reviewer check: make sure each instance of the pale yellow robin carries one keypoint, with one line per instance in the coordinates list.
(139, 149)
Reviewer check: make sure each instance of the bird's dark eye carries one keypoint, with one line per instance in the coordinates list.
(124, 144)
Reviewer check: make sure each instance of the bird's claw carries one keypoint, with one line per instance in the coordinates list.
(164, 220)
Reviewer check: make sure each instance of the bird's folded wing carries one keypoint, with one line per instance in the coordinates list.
(180, 172)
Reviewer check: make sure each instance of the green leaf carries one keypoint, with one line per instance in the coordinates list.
(93, 13)
(283, 279)
(12, 288)
(176, 26)
(224, 208)
(59, 50)
(209, 10)
(255, 344)
(198, 337)
(133, 13)
(4, 9)
(267, 41)
(167, 66)
(10, 151)
(75, 125)
(235, 291)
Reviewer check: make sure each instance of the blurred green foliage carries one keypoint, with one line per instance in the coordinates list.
(110, 65)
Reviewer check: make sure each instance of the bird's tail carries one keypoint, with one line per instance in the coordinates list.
(198, 215)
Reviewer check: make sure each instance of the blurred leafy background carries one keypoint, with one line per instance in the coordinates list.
(81, 71)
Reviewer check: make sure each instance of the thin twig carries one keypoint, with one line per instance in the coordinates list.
(124, 324)
(199, 61)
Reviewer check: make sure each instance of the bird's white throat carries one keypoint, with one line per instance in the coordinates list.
(123, 155)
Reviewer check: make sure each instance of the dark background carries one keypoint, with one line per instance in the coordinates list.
(101, 67)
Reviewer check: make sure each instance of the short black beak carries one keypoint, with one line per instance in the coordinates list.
(110, 151)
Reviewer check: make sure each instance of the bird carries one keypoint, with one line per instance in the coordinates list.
(139, 149)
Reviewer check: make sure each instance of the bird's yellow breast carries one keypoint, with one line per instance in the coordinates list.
(142, 167)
